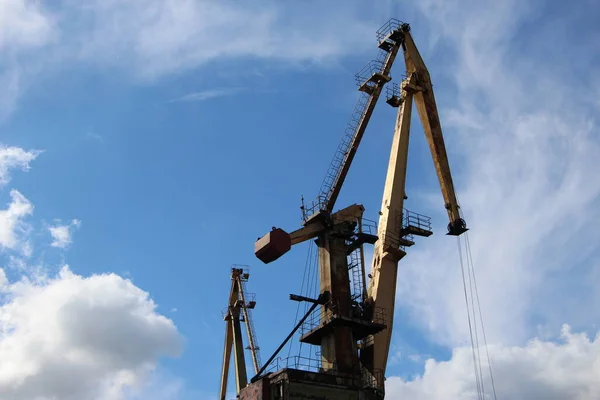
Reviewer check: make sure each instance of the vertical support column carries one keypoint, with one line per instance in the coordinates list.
(240, 361)
(384, 271)
(328, 342)
(251, 339)
(392, 203)
(226, 358)
(338, 349)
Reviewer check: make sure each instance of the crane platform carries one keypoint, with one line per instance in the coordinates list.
(361, 321)
(296, 384)
(360, 329)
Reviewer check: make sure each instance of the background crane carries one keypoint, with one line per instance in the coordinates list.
(238, 310)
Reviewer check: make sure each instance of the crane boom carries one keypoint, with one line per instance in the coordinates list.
(317, 217)
(393, 227)
(428, 114)
(339, 172)
(371, 80)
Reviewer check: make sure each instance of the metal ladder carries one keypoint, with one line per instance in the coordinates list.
(355, 268)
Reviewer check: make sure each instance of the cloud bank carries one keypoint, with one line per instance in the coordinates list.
(70, 337)
(525, 163)
(525, 153)
(150, 39)
(65, 336)
(541, 369)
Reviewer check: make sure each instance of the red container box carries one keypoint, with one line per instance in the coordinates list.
(273, 245)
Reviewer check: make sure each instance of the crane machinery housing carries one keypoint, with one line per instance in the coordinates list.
(350, 322)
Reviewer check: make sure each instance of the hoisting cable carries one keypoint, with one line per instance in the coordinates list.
(298, 325)
(469, 269)
(306, 273)
(312, 291)
(470, 261)
(462, 268)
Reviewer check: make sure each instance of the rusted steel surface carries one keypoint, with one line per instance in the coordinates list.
(294, 384)
(273, 245)
(259, 390)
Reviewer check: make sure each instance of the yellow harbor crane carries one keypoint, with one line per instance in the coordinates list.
(352, 324)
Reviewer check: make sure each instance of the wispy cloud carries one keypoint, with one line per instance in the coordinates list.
(94, 136)
(14, 230)
(25, 30)
(207, 94)
(528, 155)
(148, 39)
(13, 158)
(525, 153)
(62, 235)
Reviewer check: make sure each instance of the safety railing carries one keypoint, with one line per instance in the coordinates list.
(249, 297)
(372, 380)
(365, 380)
(392, 91)
(313, 207)
(295, 362)
(417, 220)
(368, 226)
(391, 25)
(393, 240)
(372, 68)
(241, 269)
(331, 310)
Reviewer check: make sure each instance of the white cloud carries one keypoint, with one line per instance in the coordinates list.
(524, 153)
(25, 28)
(166, 36)
(12, 158)
(23, 25)
(207, 94)
(13, 229)
(149, 39)
(3, 279)
(94, 136)
(71, 337)
(162, 386)
(415, 358)
(548, 370)
(62, 234)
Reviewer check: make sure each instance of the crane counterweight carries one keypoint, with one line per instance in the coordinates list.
(272, 245)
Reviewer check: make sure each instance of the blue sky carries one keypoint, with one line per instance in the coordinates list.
(154, 141)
